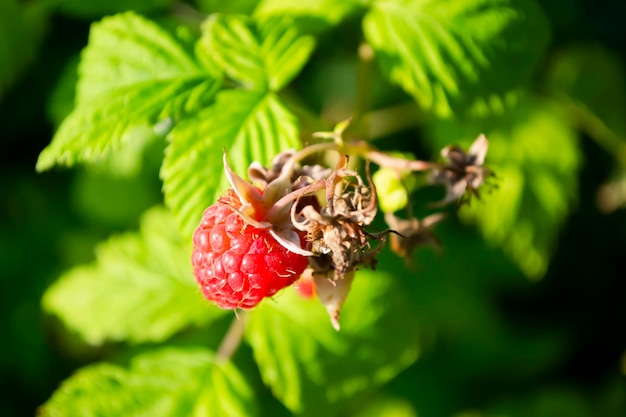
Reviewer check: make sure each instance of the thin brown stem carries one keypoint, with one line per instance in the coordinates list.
(364, 150)
(385, 160)
(232, 338)
(310, 150)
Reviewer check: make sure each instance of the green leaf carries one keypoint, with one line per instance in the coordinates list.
(460, 53)
(264, 55)
(140, 288)
(592, 77)
(534, 153)
(311, 16)
(128, 49)
(309, 366)
(132, 74)
(168, 382)
(250, 125)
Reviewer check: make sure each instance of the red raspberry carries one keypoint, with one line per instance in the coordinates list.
(237, 264)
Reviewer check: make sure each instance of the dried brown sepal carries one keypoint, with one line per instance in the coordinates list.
(464, 172)
(412, 233)
(262, 176)
(269, 204)
(332, 292)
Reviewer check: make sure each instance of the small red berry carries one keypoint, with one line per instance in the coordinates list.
(237, 264)
(305, 286)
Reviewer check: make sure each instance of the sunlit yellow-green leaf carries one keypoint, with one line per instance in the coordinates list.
(310, 15)
(168, 382)
(140, 289)
(467, 54)
(260, 55)
(310, 366)
(132, 74)
(249, 125)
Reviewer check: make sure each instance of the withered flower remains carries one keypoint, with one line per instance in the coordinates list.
(464, 171)
(294, 213)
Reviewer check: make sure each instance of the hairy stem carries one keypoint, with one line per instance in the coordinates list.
(308, 151)
(232, 338)
(385, 160)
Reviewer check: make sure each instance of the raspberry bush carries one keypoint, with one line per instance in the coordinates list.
(331, 204)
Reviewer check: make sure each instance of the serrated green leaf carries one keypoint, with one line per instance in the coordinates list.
(128, 49)
(104, 125)
(265, 55)
(132, 74)
(457, 54)
(593, 77)
(140, 288)
(249, 125)
(169, 383)
(309, 366)
(310, 15)
(534, 153)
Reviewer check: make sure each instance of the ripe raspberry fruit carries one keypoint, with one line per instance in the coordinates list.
(246, 246)
(237, 264)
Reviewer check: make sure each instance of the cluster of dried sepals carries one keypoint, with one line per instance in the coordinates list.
(332, 207)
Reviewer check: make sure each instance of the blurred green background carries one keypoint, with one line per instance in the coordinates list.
(512, 346)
